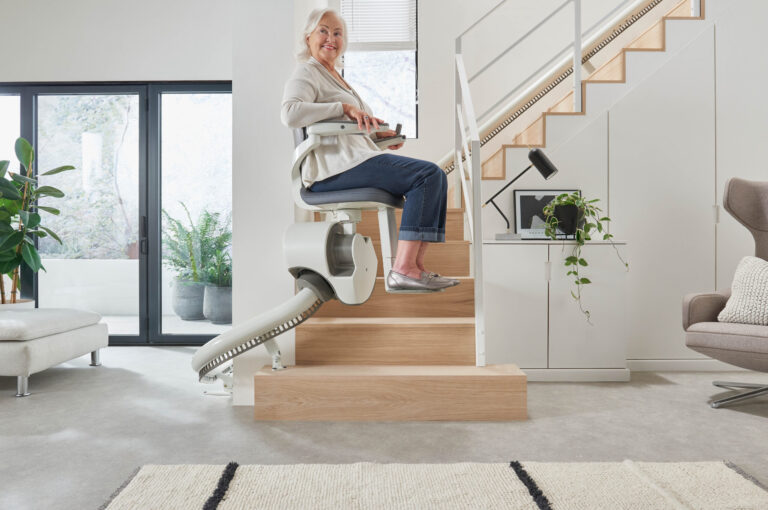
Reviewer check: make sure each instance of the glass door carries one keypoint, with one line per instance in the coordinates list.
(99, 265)
(145, 218)
(191, 295)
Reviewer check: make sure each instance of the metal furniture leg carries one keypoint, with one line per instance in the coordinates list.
(95, 359)
(388, 235)
(22, 386)
(755, 391)
(724, 384)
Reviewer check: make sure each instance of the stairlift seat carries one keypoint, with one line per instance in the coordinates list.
(348, 196)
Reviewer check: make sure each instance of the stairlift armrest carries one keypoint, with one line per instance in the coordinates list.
(703, 307)
(341, 127)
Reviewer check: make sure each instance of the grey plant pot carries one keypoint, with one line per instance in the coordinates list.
(217, 304)
(188, 300)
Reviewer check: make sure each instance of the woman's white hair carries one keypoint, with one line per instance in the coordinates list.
(302, 55)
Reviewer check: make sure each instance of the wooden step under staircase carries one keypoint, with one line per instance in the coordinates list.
(611, 71)
(396, 357)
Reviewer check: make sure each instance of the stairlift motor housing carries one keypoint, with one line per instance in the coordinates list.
(346, 261)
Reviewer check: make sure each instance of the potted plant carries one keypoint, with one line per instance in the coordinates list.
(19, 217)
(181, 253)
(217, 300)
(574, 215)
(190, 251)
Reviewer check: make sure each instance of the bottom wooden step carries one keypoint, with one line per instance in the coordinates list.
(391, 393)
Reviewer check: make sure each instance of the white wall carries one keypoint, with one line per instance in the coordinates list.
(262, 205)
(98, 40)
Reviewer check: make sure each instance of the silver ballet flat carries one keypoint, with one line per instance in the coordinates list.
(403, 283)
(451, 281)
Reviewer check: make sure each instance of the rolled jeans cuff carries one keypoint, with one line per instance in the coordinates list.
(427, 234)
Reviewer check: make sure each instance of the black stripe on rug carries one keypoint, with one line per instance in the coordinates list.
(538, 496)
(221, 488)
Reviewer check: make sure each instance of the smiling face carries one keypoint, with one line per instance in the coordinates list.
(326, 42)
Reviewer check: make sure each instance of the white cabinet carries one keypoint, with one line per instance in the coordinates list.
(533, 321)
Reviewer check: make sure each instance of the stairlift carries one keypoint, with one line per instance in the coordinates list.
(328, 259)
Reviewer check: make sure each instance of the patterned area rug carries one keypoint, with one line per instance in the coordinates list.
(518, 485)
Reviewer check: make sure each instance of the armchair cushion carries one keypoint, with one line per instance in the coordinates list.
(748, 303)
(743, 345)
(703, 307)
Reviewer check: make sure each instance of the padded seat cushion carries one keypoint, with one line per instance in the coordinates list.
(352, 195)
(34, 323)
(727, 335)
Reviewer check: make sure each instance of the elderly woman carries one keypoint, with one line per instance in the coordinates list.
(317, 92)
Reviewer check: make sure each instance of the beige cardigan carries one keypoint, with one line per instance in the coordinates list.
(312, 95)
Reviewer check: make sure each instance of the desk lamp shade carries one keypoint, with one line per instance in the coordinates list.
(542, 163)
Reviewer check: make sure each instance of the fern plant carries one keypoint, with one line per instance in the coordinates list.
(593, 223)
(192, 250)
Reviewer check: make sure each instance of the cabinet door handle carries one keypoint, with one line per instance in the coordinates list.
(547, 270)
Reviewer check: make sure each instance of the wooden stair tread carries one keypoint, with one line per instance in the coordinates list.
(683, 11)
(386, 341)
(458, 301)
(393, 370)
(390, 393)
(652, 39)
(612, 71)
(431, 321)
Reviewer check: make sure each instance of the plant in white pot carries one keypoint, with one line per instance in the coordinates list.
(20, 220)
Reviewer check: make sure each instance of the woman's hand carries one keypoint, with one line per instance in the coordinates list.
(361, 117)
(385, 134)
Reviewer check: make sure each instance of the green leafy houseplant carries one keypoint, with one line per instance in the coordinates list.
(191, 250)
(19, 219)
(219, 272)
(588, 222)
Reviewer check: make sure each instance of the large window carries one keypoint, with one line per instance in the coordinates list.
(381, 60)
(145, 220)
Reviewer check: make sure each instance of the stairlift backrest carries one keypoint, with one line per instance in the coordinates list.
(308, 139)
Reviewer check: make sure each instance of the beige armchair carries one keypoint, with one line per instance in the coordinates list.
(742, 345)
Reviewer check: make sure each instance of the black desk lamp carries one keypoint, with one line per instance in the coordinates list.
(545, 168)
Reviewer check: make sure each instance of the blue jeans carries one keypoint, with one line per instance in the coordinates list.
(424, 185)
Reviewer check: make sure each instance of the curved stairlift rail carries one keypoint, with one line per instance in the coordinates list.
(215, 357)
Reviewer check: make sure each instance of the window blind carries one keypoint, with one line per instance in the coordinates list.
(376, 25)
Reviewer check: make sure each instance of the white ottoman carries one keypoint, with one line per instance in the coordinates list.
(34, 339)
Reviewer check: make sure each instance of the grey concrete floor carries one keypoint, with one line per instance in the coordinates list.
(84, 430)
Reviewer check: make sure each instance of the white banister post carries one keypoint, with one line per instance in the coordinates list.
(477, 253)
(696, 8)
(577, 56)
(457, 177)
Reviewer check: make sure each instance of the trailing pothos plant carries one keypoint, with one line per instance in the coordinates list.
(19, 217)
(588, 223)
